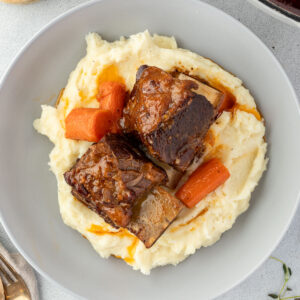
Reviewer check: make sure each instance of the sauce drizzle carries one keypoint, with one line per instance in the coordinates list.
(131, 249)
(231, 104)
(201, 213)
(247, 109)
(110, 73)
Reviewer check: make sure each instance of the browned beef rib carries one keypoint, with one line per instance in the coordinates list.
(167, 116)
(111, 177)
(214, 96)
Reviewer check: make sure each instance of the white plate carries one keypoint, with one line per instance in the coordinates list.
(28, 201)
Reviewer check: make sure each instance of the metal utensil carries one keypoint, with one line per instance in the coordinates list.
(2, 296)
(14, 285)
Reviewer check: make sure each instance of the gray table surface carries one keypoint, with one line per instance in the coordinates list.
(18, 23)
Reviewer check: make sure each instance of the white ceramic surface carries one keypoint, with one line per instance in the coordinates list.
(276, 14)
(28, 203)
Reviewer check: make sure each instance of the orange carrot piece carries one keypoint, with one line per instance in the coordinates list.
(89, 124)
(111, 96)
(115, 127)
(205, 179)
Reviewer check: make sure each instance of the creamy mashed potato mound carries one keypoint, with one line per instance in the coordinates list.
(237, 138)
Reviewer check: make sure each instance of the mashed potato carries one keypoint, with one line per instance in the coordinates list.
(237, 138)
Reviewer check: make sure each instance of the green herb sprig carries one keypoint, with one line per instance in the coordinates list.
(287, 275)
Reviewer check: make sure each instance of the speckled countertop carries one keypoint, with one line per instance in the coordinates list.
(18, 23)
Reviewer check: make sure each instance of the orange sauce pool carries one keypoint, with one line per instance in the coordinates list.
(131, 249)
(110, 73)
(247, 109)
(101, 230)
(230, 103)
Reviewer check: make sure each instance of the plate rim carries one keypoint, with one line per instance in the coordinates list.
(43, 30)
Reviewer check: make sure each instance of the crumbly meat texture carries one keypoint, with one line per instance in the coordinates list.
(111, 177)
(167, 116)
(153, 215)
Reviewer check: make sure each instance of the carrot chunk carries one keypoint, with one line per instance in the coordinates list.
(89, 124)
(205, 179)
(111, 96)
(115, 127)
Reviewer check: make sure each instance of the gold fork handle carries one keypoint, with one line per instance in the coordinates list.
(2, 296)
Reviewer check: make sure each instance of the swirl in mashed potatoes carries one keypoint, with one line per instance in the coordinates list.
(237, 137)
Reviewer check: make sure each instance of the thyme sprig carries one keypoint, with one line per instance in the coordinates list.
(287, 275)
